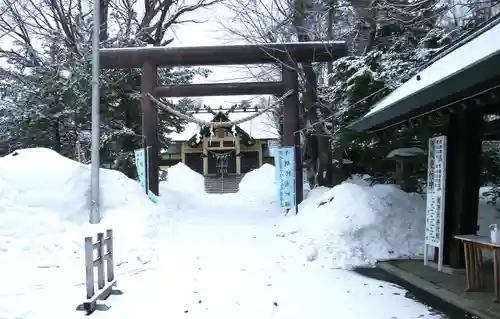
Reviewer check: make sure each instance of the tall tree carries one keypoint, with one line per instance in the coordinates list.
(47, 77)
(388, 42)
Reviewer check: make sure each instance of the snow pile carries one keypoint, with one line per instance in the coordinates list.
(41, 178)
(260, 182)
(181, 178)
(361, 180)
(354, 225)
(44, 209)
(256, 197)
(183, 190)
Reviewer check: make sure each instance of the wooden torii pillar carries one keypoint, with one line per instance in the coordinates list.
(150, 124)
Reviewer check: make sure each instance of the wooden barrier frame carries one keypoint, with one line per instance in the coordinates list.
(105, 280)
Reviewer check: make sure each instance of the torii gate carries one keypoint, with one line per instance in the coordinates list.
(287, 55)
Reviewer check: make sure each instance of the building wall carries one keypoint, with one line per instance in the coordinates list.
(257, 147)
(221, 144)
(167, 160)
(268, 160)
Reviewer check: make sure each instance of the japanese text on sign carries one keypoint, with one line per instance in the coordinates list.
(140, 163)
(285, 177)
(435, 191)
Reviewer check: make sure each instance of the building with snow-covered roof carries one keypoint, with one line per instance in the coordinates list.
(460, 87)
(232, 150)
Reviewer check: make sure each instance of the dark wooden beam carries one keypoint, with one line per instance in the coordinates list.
(150, 125)
(115, 58)
(221, 89)
(493, 137)
(291, 124)
(462, 182)
(169, 162)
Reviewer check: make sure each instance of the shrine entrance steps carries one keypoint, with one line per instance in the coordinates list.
(222, 184)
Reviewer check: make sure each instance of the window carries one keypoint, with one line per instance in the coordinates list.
(174, 148)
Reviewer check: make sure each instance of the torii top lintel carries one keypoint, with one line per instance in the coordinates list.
(116, 58)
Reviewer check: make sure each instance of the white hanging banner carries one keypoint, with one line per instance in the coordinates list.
(140, 163)
(141, 158)
(285, 177)
(436, 190)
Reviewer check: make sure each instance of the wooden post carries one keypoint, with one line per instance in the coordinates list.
(291, 123)
(462, 182)
(238, 155)
(110, 273)
(205, 157)
(89, 267)
(150, 124)
(101, 280)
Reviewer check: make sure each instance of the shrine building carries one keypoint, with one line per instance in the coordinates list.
(232, 150)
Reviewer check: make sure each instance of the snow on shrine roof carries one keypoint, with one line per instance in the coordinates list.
(461, 57)
(259, 128)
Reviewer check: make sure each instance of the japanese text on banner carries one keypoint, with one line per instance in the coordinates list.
(140, 163)
(285, 182)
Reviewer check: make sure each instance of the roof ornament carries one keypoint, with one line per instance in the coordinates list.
(209, 109)
(212, 132)
(231, 109)
(198, 136)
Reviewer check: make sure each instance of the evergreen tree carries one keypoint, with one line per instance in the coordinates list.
(396, 55)
(47, 88)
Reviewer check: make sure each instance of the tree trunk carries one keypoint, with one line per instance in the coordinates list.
(310, 97)
(57, 136)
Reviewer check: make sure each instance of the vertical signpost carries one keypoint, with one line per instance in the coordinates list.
(140, 163)
(285, 177)
(141, 160)
(436, 186)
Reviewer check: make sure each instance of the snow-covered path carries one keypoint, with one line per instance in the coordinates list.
(198, 255)
(214, 268)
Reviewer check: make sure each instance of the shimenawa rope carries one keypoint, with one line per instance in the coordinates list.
(216, 124)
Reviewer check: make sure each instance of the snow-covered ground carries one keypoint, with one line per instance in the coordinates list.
(201, 255)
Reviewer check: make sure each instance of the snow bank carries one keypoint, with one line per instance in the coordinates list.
(44, 209)
(350, 225)
(183, 190)
(254, 202)
(183, 179)
(41, 178)
(353, 225)
(260, 182)
(361, 180)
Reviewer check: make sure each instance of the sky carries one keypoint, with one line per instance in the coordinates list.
(211, 32)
